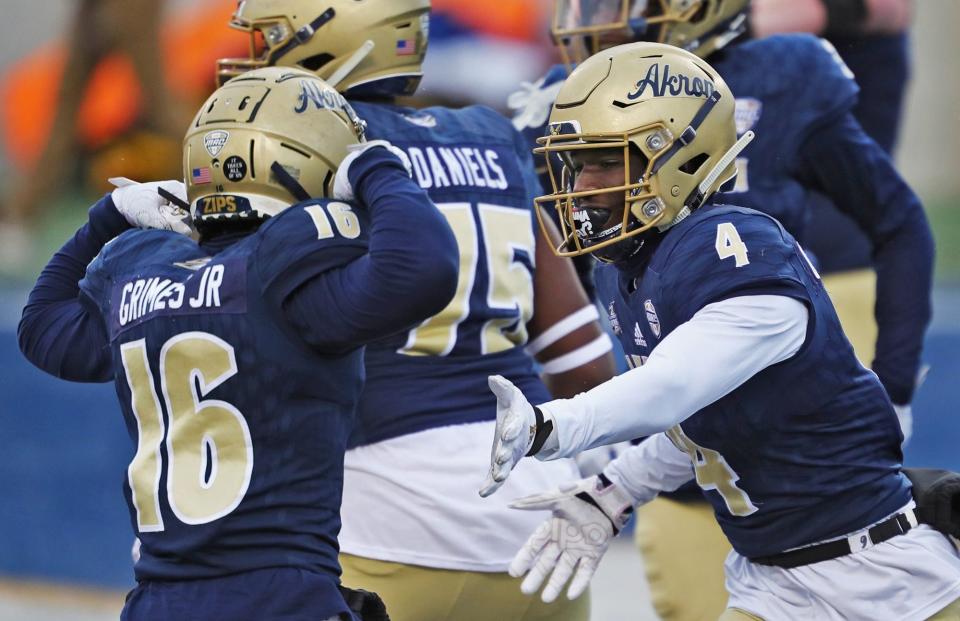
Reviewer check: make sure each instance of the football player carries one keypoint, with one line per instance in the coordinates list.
(871, 37)
(413, 531)
(744, 378)
(237, 358)
(798, 96)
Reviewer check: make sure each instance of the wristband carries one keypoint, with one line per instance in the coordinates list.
(544, 429)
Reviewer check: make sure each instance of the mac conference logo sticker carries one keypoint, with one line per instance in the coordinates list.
(215, 141)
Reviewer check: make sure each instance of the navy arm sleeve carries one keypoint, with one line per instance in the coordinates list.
(408, 274)
(59, 332)
(842, 162)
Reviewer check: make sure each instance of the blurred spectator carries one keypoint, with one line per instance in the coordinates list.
(830, 17)
(101, 28)
(480, 51)
(871, 37)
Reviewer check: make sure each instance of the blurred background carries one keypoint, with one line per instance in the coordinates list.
(96, 88)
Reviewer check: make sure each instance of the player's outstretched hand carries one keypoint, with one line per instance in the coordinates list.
(153, 205)
(587, 514)
(514, 433)
(342, 188)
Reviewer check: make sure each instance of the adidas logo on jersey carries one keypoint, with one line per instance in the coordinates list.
(638, 339)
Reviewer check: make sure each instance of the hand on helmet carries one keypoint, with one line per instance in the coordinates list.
(144, 206)
(342, 187)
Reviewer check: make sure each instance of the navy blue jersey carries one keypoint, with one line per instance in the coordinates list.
(797, 95)
(202, 338)
(479, 173)
(807, 449)
(238, 365)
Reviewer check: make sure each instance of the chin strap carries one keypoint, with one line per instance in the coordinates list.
(725, 161)
(683, 213)
(351, 63)
(302, 35)
(287, 181)
(700, 194)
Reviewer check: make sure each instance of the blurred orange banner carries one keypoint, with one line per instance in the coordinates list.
(192, 40)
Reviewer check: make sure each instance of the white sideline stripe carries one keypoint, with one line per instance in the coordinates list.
(591, 351)
(562, 328)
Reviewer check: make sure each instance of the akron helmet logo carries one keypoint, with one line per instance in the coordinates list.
(215, 141)
(652, 318)
(669, 83)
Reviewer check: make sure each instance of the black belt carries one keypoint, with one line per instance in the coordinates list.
(887, 529)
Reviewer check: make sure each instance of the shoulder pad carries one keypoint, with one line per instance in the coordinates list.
(722, 252)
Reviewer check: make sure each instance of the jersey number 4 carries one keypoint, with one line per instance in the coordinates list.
(713, 473)
(209, 453)
(729, 244)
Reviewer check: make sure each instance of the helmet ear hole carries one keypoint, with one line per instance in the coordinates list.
(314, 63)
(328, 184)
(692, 165)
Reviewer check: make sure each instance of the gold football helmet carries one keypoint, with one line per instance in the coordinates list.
(264, 141)
(657, 106)
(370, 46)
(581, 28)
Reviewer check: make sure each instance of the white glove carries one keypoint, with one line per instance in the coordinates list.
(342, 190)
(143, 206)
(905, 416)
(574, 539)
(514, 434)
(532, 103)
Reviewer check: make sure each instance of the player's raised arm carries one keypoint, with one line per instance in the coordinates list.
(61, 331)
(411, 266)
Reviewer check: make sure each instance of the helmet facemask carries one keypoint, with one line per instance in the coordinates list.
(271, 38)
(369, 48)
(589, 221)
(582, 28)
